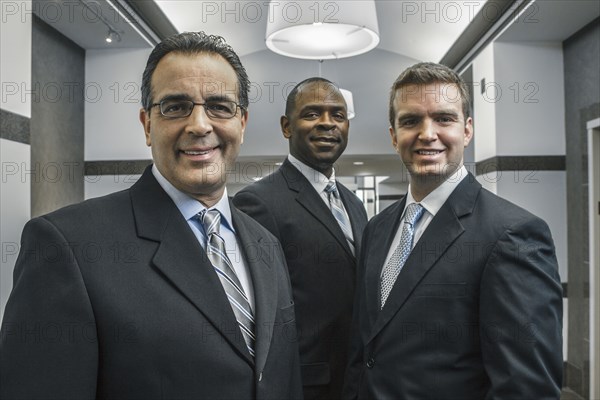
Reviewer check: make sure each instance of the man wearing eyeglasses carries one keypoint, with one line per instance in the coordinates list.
(185, 297)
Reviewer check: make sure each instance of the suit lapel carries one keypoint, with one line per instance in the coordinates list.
(443, 230)
(257, 250)
(181, 259)
(378, 249)
(308, 198)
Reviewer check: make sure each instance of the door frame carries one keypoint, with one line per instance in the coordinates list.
(593, 128)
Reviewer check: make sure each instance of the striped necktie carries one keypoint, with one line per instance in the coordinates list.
(414, 212)
(337, 209)
(215, 249)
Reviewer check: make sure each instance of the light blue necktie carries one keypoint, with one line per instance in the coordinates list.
(215, 249)
(414, 212)
(337, 209)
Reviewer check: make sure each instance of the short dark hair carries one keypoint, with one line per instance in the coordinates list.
(194, 43)
(290, 102)
(424, 74)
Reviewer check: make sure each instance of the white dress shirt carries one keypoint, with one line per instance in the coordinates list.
(431, 203)
(190, 207)
(316, 179)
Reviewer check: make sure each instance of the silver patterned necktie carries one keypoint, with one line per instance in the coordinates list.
(337, 209)
(414, 212)
(215, 249)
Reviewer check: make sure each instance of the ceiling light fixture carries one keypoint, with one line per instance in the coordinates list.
(134, 20)
(112, 36)
(349, 102)
(322, 30)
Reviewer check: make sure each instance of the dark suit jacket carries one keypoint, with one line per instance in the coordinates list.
(321, 265)
(476, 311)
(114, 298)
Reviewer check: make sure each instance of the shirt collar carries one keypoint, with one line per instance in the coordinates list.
(316, 179)
(190, 207)
(436, 199)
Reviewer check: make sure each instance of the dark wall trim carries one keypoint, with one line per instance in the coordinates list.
(118, 167)
(521, 163)
(390, 197)
(15, 127)
(487, 19)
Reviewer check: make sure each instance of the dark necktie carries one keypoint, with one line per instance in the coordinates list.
(414, 212)
(215, 249)
(337, 209)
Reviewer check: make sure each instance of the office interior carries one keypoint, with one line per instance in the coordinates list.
(70, 103)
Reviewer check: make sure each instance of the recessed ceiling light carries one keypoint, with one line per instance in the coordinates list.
(358, 163)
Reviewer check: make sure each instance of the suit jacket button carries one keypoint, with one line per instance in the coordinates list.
(371, 362)
(260, 377)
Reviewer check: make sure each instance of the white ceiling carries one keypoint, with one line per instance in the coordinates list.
(410, 31)
(402, 24)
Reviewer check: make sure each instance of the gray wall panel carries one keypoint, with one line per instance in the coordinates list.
(582, 103)
(57, 122)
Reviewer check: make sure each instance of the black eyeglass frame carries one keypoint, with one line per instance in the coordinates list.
(194, 104)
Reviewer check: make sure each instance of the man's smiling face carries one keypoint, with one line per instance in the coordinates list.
(194, 153)
(430, 132)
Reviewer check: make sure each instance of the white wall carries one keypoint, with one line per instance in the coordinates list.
(112, 127)
(490, 180)
(15, 206)
(530, 117)
(96, 186)
(15, 192)
(113, 100)
(484, 139)
(15, 56)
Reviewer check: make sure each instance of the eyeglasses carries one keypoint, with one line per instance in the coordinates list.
(183, 108)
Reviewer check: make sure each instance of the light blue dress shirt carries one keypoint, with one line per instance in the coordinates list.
(431, 203)
(190, 207)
